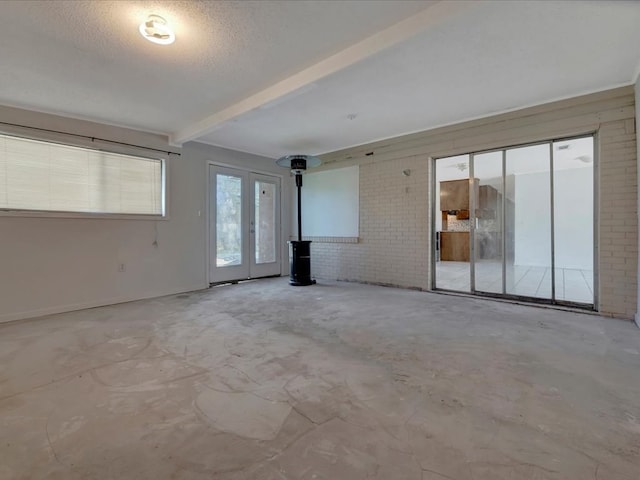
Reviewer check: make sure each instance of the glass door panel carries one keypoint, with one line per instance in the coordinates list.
(573, 219)
(228, 220)
(487, 169)
(528, 222)
(227, 223)
(453, 263)
(265, 222)
(265, 226)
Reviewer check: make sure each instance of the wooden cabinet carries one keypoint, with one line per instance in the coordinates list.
(454, 194)
(454, 246)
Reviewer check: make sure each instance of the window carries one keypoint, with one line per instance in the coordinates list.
(50, 177)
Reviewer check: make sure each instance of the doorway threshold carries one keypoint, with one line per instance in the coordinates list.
(242, 280)
(575, 308)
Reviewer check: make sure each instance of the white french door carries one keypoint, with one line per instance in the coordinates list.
(244, 224)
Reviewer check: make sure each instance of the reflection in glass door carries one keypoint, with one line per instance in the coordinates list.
(488, 222)
(244, 225)
(530, 222)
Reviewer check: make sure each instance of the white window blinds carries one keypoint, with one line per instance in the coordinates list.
(44, 176)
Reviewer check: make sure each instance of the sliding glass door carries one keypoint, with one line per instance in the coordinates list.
(524, 227)
(488, 240)
(528, 222)
(573, 213)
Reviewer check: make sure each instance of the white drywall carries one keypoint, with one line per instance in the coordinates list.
(532, 230)
(330, 203)
(51, 265)
(573, 222)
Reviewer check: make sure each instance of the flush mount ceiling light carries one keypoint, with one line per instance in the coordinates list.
(156, 30)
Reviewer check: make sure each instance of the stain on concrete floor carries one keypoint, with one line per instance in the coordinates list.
(334, 381)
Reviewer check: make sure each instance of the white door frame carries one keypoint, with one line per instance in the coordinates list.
(282, 232)
(230, 272)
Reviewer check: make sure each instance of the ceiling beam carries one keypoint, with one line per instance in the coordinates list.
(390, 36)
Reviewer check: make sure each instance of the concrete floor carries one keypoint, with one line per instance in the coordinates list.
(336, 381)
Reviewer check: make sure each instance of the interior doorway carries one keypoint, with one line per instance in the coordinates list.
(244, 224)
(518, 222)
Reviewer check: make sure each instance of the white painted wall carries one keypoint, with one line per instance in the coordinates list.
(532, 232)
(573, 223)
(330, 201)
(51, 265)
(573, 199)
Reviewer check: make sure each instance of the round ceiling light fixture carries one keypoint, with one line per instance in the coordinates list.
(156, 30)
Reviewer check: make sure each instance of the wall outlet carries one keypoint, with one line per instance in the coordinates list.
(122, 267)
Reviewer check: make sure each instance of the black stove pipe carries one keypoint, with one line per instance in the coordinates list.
(299, 185)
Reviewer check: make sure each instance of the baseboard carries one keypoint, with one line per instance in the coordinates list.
(10, 317)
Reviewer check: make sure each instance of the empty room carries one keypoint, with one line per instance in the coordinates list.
(332, 239)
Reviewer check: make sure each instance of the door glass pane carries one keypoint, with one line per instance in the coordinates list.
(265, 222)
(453, 270)
(487, 169)
(228, 220)
(528, 221)
(573, 219)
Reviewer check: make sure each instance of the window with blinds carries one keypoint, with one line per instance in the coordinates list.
(50, 177)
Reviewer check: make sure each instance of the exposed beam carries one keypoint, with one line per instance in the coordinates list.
(397, 33)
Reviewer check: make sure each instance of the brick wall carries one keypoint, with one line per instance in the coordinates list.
(395, 225)
(393, 243)
(618, 218)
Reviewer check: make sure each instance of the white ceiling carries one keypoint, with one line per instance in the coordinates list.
(281, 77)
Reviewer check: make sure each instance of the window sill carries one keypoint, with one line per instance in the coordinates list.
(79, 215)
(331, 239)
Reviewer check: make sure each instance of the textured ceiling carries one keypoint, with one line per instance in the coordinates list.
(278, 77)
(87, 59)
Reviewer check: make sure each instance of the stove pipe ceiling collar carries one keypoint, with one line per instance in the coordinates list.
(298, 163)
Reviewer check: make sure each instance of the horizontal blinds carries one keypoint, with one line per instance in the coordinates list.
(43, 176)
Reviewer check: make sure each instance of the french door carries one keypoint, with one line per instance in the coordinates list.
(244, 224)
(518, 222)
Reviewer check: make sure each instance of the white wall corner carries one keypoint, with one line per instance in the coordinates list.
(637, 90)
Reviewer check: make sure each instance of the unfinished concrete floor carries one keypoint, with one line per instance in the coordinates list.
(336, 381)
